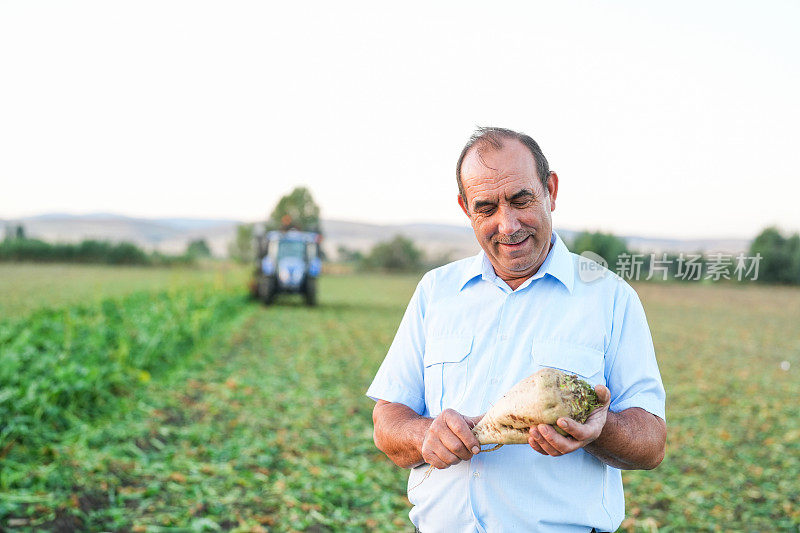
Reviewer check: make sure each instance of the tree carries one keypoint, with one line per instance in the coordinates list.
(198, 248)
(780, 257)
(242, 247)
(296, 209)
(606, 245)
(347, 255)
(397, 255)
(793, 249)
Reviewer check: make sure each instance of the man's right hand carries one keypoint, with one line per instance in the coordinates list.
(449, 439)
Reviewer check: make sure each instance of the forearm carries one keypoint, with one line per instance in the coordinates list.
(399, 433)
(632, 439)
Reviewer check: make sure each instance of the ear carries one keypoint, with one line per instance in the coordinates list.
(463, 206)
(552, 189)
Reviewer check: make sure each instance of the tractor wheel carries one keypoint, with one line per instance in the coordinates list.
(267, 287)
(310, 291)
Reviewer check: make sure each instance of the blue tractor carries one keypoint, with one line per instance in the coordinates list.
(288, 262)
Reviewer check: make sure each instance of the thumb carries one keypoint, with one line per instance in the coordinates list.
(603, 394)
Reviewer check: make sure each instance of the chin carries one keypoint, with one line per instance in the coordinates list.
(517, 266)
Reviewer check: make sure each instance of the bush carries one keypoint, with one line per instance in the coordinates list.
(397, 255)
(198, 248)
(606, 245)
(780, 256)
(88, 251)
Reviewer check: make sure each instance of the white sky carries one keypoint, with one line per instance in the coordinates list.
(671, 119)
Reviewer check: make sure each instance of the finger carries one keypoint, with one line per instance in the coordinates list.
(434, 452)
(574, 429)
(434, 448)
(433, 460)
(446, 456)
(551, 439)
(535, 445)
(538, 437)
(562, 441)
(548, 448)
(455, 446)
(460, 428)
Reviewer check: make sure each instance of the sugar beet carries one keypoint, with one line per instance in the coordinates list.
(541, 398)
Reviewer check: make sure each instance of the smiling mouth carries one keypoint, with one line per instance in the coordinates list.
(516, 244)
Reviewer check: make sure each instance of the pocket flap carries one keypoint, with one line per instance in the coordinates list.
(570, 358)
(447, 350)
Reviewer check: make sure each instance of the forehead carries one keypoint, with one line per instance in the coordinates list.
(488, 172)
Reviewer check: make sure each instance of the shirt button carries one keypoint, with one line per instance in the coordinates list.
(494, 381)
(476, 474)
(503, 337)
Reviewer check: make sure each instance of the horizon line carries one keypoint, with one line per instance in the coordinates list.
(55, 214)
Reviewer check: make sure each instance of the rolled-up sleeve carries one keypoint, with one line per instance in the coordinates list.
(400, 376)
(631, 369)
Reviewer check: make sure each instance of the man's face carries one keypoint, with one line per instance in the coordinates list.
(509, 208)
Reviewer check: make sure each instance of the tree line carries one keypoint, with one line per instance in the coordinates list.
(17, 246)
(398, 254)
(771, 258)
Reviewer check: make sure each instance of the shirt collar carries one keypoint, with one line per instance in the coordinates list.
(557, 264)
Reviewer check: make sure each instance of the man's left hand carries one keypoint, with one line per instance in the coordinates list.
(547, 441)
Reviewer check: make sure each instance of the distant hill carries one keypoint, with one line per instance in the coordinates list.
(171, 235)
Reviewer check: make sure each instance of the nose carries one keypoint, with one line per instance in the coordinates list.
(507, 223)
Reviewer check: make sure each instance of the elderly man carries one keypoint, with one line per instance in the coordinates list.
(477, 326)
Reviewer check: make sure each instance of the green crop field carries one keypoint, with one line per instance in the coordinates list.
(26, 287)
(190, 408)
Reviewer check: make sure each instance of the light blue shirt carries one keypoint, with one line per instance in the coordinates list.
(466, 338)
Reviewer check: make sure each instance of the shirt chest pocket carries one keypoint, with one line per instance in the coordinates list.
(585, 362)
(447, 371)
